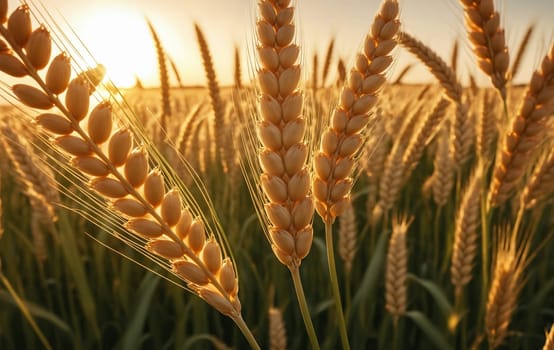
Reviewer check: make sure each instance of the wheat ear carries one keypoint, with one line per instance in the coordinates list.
(343, 138)
(163, 73)
(348, 232)
(423, 135)
(525, 132)
(175, 71)
(403, 74)
(341, 73)
(549, 342)
(508, 268)
(541, 182)
(277, 330)
(488, 40)
(238, 70)
(442, 179)
(486, 127)
(327, 63)
(285, 180)
(466, 234)
(522, 49)
(1, 211)
(461, 132)
(436, 65)
(396, 271)
(36, 181)
(218, 126)
(123, 176)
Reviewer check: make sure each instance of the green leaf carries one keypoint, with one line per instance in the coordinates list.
(370, 279)
(38, 312)
(432, 332)
(133, 333)
(76, 268)
(438, 294)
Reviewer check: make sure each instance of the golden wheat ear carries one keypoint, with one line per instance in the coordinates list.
(511, 258)
(488, 41)
(549, 342)
(285, 180)
(396, 272)
(117, 163)
(525, 133)
(342, 139)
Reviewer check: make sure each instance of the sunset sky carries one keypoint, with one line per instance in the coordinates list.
(116, 33)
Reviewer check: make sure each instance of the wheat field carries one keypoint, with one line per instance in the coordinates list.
(316, 202)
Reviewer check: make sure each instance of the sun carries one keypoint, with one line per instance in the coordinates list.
(119, 39)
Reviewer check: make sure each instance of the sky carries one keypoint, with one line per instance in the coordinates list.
(115, 32)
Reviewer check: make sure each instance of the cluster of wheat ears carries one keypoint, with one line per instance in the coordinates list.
(468, 171)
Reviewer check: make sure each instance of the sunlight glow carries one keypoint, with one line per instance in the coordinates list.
(119, 39)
